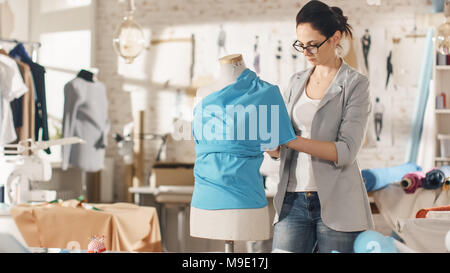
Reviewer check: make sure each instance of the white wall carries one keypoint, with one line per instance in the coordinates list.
(20, 9)
(14, 21)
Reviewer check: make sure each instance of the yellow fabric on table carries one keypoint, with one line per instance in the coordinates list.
(126, 227)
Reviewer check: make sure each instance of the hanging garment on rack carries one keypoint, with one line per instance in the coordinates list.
(12, 87)
(38, 73)
(227, 167)
(86, 117)
(23, 108)
(26, 105)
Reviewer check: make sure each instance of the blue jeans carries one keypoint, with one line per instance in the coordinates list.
(300, 228)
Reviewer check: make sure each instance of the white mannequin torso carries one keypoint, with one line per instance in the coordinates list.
(229, 224)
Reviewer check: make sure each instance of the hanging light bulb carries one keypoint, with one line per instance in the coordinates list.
(443, 32)
(129, 38)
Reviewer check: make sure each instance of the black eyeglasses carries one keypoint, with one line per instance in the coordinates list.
(312, 49)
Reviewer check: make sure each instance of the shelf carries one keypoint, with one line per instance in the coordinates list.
(442, 159)
(442, 111)
(443, 67)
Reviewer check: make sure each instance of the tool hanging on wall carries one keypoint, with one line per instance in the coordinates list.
(366, 42)
(256, 60)
(221, 40)
(389, 67)
(278, 58)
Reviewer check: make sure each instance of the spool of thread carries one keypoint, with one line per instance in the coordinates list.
(433, 179)
(412, 181)
(446, 184)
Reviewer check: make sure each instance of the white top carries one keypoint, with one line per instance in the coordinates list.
(301, 178)
(12, 87)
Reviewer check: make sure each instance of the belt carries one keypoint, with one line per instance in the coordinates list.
(310, 193)
(238, 149)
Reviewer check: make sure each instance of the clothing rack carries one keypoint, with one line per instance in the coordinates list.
(35, 46)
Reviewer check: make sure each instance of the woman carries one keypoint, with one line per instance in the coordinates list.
(321, 200)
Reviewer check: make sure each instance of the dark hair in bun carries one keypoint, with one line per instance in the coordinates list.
(325, 19)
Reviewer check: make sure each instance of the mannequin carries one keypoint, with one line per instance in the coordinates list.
(229, 224)
(87, 75)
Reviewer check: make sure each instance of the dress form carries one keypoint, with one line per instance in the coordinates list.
(229, 224)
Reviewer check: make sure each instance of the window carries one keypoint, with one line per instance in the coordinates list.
(65, 30)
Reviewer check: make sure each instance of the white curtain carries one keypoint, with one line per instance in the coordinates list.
(427, 146)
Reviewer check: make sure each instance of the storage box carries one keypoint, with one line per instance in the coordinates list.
(172, 174)
(445, 145)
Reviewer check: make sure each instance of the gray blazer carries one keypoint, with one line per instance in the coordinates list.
(342, 118)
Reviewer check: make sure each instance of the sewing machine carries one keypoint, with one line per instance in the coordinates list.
(29, 167)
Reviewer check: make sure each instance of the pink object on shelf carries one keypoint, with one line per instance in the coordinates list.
(412, 181)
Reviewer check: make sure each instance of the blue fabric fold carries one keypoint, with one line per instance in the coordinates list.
(232, 128)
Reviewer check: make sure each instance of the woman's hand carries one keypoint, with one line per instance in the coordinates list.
(274, 153)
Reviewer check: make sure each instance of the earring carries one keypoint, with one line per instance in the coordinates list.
(339, 51)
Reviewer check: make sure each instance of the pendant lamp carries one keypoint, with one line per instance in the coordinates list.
(129, 39)
(443, 32)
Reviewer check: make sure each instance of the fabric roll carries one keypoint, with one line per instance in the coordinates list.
(376, 179)
(446, 184)
(412, 181)
(433, 179)
(371, 241)
(438, 215)
(423, 212)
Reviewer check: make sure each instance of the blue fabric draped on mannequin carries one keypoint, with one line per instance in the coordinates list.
(232, 128)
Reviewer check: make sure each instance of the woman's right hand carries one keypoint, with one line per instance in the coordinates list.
(274, 153)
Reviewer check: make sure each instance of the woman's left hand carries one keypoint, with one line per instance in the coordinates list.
(274, 153)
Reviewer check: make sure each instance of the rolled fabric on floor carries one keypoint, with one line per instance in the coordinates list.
(371, 241)
(446, 184)
(423, 212)
(433, 179)
(412, 181)
(379, 178)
